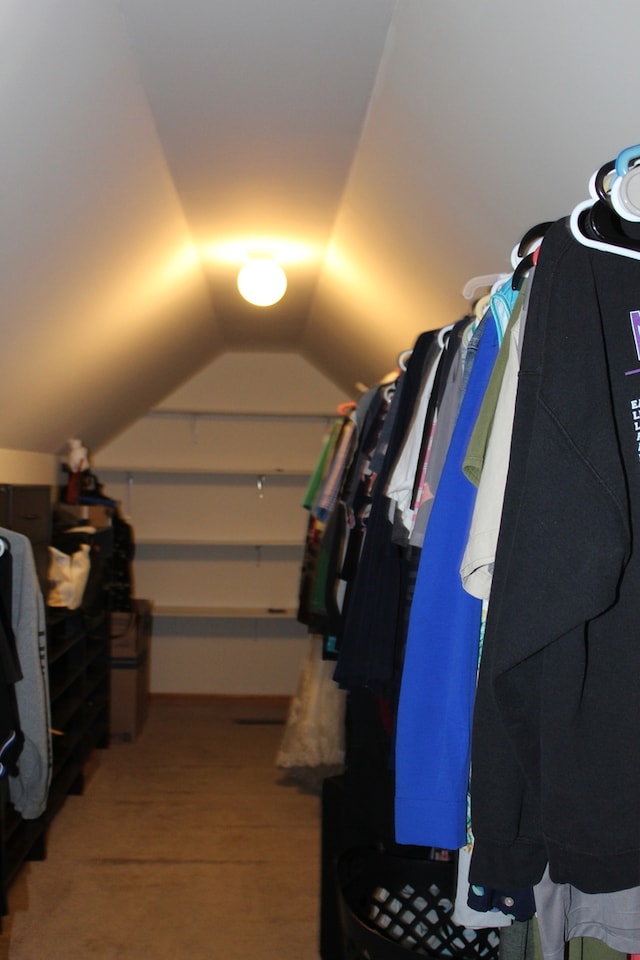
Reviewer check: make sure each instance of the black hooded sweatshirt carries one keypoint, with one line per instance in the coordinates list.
(556, 734)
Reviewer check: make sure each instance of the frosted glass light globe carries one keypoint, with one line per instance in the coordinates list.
(262, 281)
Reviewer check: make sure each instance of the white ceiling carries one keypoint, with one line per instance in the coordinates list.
(385, 151)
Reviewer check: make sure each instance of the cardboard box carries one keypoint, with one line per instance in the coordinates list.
(131, 632)
(124, 634)
(130, 668)
(129, 696)
(144, 611)
(95, 515)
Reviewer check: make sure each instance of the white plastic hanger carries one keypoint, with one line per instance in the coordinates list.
(574, 223)
(403, 357)
(621, 182)
(481, 305)
(475, 284)
(442, 334)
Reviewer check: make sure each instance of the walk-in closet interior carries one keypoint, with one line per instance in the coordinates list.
(385, 518)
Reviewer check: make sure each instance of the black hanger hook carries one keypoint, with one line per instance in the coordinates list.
(533, 233)
(600, 177)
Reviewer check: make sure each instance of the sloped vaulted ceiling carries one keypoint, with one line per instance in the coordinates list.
(386, 151)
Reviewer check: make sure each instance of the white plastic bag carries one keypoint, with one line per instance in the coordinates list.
(68, 577)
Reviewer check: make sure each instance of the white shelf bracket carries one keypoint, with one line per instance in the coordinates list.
(129, 494)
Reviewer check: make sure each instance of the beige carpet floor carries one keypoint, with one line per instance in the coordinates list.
(186, 845)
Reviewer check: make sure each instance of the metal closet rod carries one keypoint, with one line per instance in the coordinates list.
(238, 415)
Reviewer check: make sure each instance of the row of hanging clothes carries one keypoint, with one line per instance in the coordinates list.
(471, 577)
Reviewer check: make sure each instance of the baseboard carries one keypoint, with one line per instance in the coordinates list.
(256, 698)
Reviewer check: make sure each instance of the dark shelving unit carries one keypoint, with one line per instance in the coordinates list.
(79, 685)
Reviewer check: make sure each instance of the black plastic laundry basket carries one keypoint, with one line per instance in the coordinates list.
(391, 905)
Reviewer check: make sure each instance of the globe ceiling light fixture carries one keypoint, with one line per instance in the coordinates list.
(262, 281)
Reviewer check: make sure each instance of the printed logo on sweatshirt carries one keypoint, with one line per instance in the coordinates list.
(634, 316)
(635, 416)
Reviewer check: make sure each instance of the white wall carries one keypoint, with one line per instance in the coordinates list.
(213, 481)
(21, 466)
